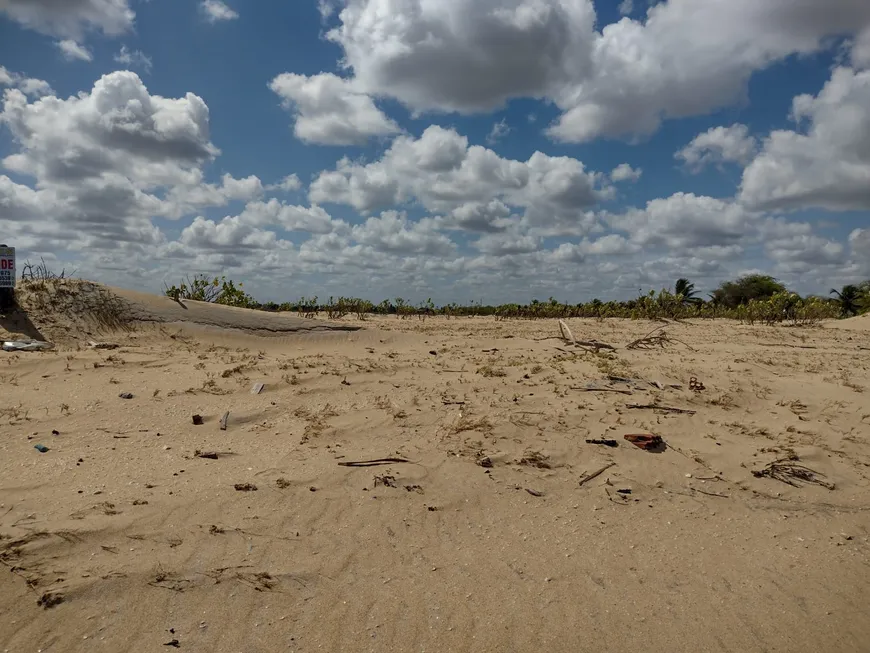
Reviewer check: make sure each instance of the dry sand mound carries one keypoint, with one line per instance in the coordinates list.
(859, 323)
(66, 310)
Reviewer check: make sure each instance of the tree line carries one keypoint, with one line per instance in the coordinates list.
(754, 298)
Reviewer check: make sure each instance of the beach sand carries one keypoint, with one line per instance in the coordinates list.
(121, 538)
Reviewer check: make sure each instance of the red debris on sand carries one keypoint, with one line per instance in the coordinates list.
(645, 440)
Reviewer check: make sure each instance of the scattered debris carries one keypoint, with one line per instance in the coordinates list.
(433, 352)
(789, 471)
(344, 381)
(257, 388)
(224, 420)
(535, 459)
(665, 409)
(624, 491)
(206, 454)
(126, 395)
(55, 432)
(485, 461)
(373, 463)
(589, 477)
(606, 442)
(646, 441)
(174, 643)
(534, 493)
(695, 385)
(50, 599)
(197, 420)
(282, 483)
(245, 487)
(385, 480)
(26, 345)
(41, 448)
(414, 488)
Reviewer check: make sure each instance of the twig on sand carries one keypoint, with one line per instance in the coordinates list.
(666, 409)
(224, 420)
(374, 462)
(595, 474)
(711, 494)
(599, 389)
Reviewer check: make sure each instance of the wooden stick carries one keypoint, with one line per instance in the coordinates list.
(589, 477)
(584, 389)
(224, 420)
(711, 494)
(374, 462)
(667, 409)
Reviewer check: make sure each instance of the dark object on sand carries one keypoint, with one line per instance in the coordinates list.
(645, 441)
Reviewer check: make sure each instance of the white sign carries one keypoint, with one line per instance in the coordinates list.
(7, 267)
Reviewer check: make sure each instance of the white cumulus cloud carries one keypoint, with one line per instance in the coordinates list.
(72, 50)
(217, 11)
(330, 110)
(826, 165)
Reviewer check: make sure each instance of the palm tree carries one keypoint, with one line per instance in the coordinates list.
(687, 289)
(849, 299)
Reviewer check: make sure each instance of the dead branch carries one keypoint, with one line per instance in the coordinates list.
(653, 339)
(790, 472)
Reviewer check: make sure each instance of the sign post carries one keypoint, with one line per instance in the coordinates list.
(7, 276)
(7, 267)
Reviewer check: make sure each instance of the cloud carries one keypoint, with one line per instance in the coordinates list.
(71, 19)
(684, 222)
(731, 144)
(443, 173)
(216, 11)
(133, 59)
(828, 166)
(464, 55)
(27, 85)
(289, 184)
(626, 7)
(72, 50)
(499, 130)
(624, 172)
(860, 54)
(685, 57)
(329, 110)
(104, 163)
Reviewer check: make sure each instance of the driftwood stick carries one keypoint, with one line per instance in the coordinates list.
(584, 389)
(374, 462)
(595, 474)
(667, 409)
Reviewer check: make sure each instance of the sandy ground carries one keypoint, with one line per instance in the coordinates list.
(119, 538)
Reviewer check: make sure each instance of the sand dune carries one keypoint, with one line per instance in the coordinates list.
(485, 540)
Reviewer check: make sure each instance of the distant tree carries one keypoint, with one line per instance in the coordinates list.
(849, 298)
(687, 289)
(742, 290)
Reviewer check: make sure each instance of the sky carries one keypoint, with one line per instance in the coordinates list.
(459, 150)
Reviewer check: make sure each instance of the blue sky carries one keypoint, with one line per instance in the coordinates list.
(465, 149)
